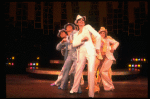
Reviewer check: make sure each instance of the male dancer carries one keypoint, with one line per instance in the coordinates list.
(61, 46)
(70, 61)
(86, 50)
(71, 58)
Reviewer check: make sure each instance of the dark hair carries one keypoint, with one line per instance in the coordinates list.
(77, 27)
(65, 32)
(70, 25)
(80, 19)
(60, 33)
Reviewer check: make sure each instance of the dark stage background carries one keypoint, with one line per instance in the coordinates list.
(30, 30)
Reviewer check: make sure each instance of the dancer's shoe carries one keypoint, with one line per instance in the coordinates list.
(71, 92)
(111, 89)
(53, 84)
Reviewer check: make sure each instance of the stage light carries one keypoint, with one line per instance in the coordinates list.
(139, 65)
(136, 59)
(133, 59)
(132, 65)
(34, 64)
(10, 58)
(12, 63)
(141, 59)
(129, 65)
(9, 63)
(33, 67)
(30, 67)
(38, 58)
(132, 69)
(138, 69)
(37, 64)
(144, 59)
(135, 65)
(129, 69)
(135, 69)
(30, 64)
(13, 57)
(36, 67)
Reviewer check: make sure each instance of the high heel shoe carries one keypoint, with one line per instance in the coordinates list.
(71, 92)
(53, 84)
(111, 89)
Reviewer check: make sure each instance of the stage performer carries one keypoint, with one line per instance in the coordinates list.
(61, 47)
(70, 62)
(108, 46)
(85, 50)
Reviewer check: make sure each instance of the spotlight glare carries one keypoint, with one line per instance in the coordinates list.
(129, 65)
(132, 65)
(136, 59)
(138, 65)
(13, 57)
(38, 58)
(37, 64)
(133, 59)
(34, 64)
(129, 69)
(9, 63)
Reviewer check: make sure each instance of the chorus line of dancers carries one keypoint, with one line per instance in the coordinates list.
(81, 46)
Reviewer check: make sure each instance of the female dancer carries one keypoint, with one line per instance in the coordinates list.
(104, 67)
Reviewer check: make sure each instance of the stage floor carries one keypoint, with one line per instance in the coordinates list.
(23, 86)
